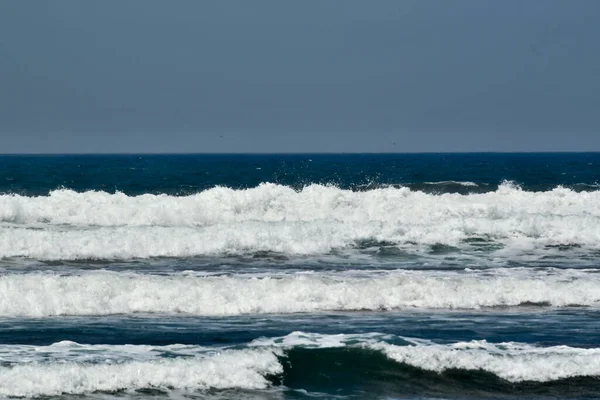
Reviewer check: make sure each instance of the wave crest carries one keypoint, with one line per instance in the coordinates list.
(240, 369)
(106, 293)
(272, 218)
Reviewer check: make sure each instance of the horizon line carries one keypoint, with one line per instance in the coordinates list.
(292, 153)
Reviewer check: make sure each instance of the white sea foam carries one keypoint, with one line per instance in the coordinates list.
(315, 220)
(515, 362)
(319, 341)
(276, 203)
(51, 376)
(104, 293)
(71, 352)
(71, 368)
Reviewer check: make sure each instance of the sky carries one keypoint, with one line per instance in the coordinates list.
(154, 76)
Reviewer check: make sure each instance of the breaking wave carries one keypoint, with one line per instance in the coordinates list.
(106, 293)
(514, 362)
(240, 369)
(290, 361)
(271, 218)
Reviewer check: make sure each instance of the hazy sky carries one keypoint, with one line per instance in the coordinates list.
(299, 76)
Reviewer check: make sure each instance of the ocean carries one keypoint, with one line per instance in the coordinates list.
(400, 276)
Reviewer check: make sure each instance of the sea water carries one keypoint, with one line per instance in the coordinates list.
(300, 276)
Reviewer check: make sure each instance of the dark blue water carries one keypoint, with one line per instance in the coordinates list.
(188, 174)
(298, 276)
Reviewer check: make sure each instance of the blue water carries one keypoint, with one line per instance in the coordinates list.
(299, 276)
(188, 174)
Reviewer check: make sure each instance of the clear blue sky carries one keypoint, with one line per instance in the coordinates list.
(302, 76)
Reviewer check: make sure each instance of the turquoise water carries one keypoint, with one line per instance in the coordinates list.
(300, 276)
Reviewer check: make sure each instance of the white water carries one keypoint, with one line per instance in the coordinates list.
(52, 376)
(71, 352)
(103, 293)
(515, 362)
(71, 368)
(315, 220)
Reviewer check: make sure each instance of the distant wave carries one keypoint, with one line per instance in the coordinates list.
(447, 183)
(430, 186)
(272, 218)
(105, 293)
(585, 186)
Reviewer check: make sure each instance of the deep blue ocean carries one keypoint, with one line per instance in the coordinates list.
(404, 276)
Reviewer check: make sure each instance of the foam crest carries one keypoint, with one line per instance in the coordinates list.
(448, 183)
(68, 351)
(319, 341)
(315, 220)
(241, 369)
(271, 202)
(515, 362)
(104, 293)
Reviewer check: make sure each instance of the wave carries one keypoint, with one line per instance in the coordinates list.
(67, 225)
(240, 369)
(514, 362)
(451, 183)
(434, 187)
(511, 361)
(298, 361)
(275, 203)
(107, 293)
(297, 240)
